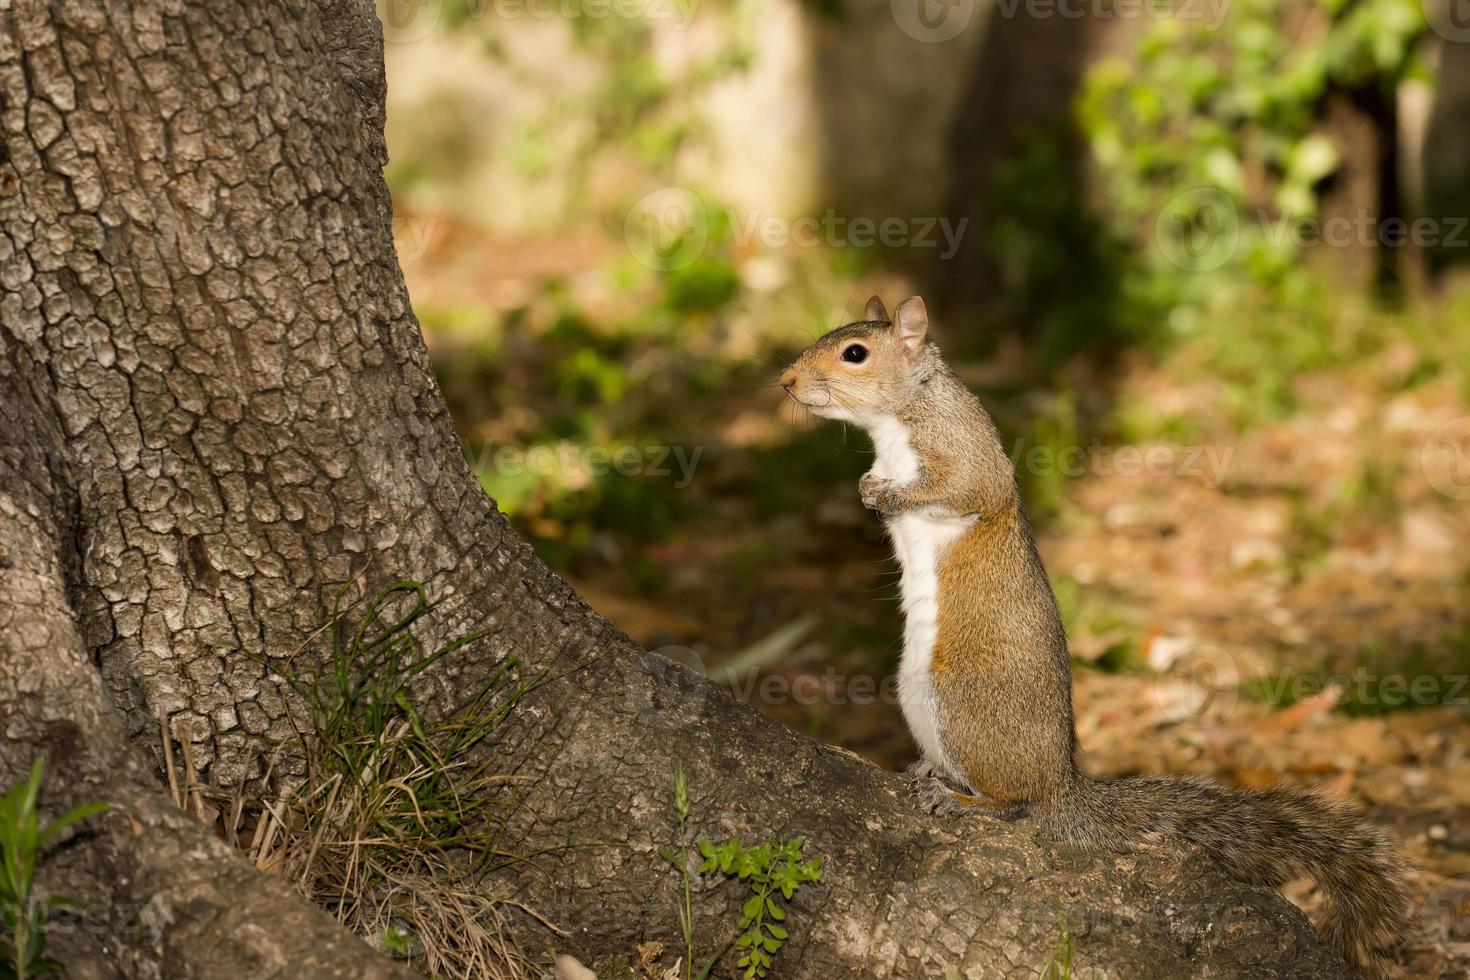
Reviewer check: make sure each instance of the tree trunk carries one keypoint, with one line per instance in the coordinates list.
(216, 408)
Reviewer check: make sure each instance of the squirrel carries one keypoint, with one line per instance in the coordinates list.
(985, 681)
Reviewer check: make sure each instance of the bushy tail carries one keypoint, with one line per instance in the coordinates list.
(1259, 838)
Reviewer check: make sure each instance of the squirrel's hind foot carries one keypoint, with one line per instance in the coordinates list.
(931, 793)
(919, 771)
(935, 796)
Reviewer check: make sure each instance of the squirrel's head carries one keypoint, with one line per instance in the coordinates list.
(867, 369)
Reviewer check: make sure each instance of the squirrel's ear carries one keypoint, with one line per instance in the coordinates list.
(911, 323)
(876, 310)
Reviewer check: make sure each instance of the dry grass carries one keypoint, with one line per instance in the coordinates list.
(395, 830)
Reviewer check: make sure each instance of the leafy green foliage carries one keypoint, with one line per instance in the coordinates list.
(706, 286)
(23, 839)
(1208, 161)
(1228, 113)
(771, 870)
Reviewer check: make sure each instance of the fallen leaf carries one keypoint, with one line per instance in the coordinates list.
(1299, 714)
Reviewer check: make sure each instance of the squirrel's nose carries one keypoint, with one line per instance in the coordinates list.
(788, 379)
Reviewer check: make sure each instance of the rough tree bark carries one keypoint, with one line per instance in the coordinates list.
(216, 408)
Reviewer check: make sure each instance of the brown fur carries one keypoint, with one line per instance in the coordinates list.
(1002, 672)
(1006, 706)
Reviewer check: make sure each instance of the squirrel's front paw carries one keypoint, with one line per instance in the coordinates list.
(877, 493)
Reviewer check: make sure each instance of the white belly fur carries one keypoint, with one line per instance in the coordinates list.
(919, 540)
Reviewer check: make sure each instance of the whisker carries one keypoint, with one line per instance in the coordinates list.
(770, 362)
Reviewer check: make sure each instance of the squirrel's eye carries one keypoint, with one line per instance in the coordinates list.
(855, 353)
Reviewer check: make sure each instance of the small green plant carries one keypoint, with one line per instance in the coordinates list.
(770, 870)
(686, 914)
(23, 839)
(397, 942)
(1059, 964)
(773, 872)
